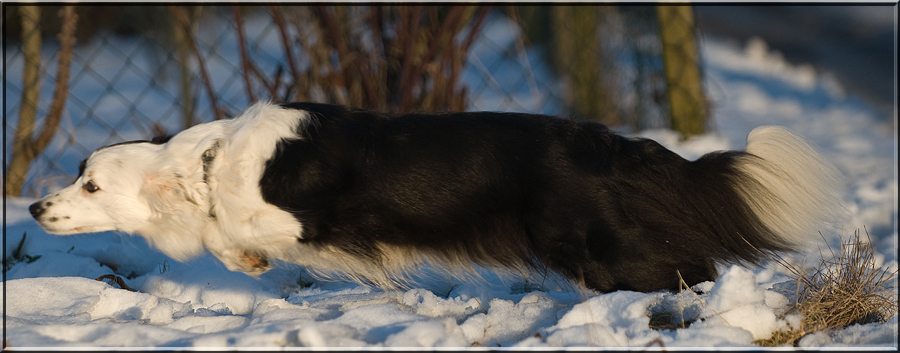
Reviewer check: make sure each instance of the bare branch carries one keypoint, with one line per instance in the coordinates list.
(411, 24)
(179, 14)
(61, 87)
(443, 33)
(476, 28)
(285, 41)
(245, 60)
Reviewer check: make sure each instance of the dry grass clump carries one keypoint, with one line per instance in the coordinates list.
(845, 290)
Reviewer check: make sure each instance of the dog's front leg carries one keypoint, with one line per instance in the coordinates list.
(235, 255)
(249, 261)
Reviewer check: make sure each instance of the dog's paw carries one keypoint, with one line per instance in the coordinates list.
(255, 262)
(247, 261)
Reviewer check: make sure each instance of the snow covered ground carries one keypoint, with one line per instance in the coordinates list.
(52, 299)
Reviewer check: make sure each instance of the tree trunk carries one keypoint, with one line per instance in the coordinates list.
(31, 89)
(26, 146)
(687, 104)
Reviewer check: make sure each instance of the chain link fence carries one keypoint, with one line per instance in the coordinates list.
(154, 69)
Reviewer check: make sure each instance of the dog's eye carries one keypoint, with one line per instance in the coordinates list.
(90, 187)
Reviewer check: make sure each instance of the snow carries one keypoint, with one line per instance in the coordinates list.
(54, 300)
(736, 298)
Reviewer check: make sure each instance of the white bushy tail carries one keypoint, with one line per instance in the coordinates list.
(796, 193)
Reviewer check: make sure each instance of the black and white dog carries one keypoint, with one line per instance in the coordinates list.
(376, 195)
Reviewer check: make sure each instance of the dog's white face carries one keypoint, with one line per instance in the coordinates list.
(106, 196)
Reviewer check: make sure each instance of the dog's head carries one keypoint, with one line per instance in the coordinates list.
(120, 187)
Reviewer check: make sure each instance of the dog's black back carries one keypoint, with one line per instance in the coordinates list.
(514, 190)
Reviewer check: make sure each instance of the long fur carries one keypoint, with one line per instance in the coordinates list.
(375, 196)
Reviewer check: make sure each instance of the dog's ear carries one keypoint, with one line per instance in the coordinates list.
(169, 190)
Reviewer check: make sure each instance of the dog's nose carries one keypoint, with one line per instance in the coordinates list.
(36, 209)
